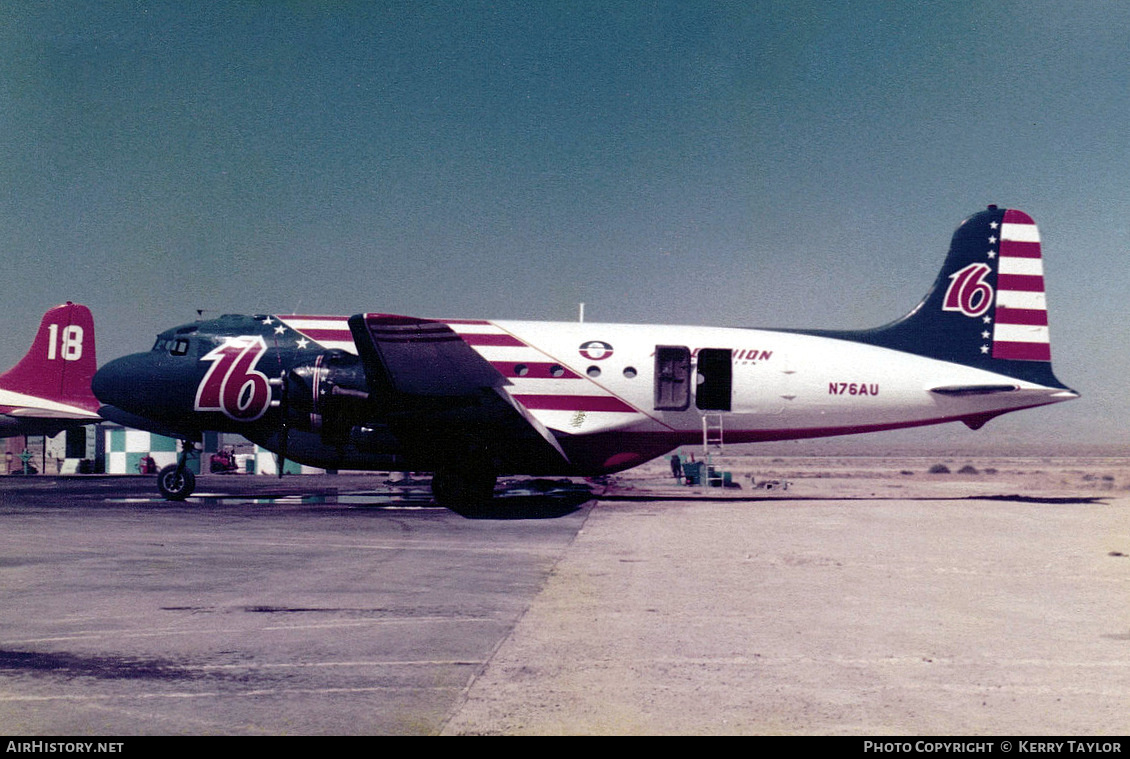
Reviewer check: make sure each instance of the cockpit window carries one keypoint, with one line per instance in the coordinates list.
(174, 346)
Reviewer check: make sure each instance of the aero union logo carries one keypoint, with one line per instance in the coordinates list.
(596, 350)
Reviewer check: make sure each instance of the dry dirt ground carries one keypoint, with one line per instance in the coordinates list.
(872, 596)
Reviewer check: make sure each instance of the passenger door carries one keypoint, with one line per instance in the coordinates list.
(672, 378)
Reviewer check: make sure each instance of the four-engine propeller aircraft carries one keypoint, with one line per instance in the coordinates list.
(48, 391)
(470, 399)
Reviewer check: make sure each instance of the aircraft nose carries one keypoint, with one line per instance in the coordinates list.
(148, 391)
(110, 382)
(131, 382)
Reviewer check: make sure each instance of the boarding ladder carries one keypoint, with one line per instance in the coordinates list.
(711, 433)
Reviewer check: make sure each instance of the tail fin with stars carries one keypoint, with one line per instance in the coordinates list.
(987, 308)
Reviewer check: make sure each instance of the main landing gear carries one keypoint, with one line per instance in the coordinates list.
(176, 481)
(464, 488)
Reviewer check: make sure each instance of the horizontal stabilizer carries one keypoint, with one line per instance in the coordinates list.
(52, 413)
(962, 390)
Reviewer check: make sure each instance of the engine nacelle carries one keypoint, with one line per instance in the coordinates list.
(327, 394)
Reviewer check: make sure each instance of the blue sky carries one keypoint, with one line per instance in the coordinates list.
(769, 164)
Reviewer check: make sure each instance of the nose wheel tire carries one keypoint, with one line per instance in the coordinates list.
(175, 485)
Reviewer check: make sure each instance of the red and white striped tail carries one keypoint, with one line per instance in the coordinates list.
(1020, 329)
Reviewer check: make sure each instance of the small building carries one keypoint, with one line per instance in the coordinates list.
(112, 449)
(78, 450)
(127, 448)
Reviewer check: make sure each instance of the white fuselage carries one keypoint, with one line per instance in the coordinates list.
(583, 379)
(783, 384)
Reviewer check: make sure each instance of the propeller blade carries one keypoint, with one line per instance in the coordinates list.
(284, 424)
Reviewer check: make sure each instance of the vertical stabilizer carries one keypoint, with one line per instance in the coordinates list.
(987, 308)
(61, 362)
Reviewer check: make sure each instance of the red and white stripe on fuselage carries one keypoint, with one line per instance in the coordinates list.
(557, 394)
(331, 332)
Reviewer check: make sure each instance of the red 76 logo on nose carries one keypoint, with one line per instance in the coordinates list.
(232, 384)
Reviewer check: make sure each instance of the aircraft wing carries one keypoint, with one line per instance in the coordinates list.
(420, 357)
(443, 392)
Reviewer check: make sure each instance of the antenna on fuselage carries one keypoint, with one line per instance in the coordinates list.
(581, 315)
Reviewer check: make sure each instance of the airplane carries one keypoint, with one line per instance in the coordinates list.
(48, 391)
(469, 400)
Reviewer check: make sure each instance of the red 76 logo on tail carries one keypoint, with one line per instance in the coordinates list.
(232, 384)
(968, 292)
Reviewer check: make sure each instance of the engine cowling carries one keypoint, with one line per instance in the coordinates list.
(327, 394)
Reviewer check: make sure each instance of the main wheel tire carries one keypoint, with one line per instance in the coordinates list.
(460, 490)
(174, 485)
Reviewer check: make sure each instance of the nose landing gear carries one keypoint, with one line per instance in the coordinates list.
(176, 481)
